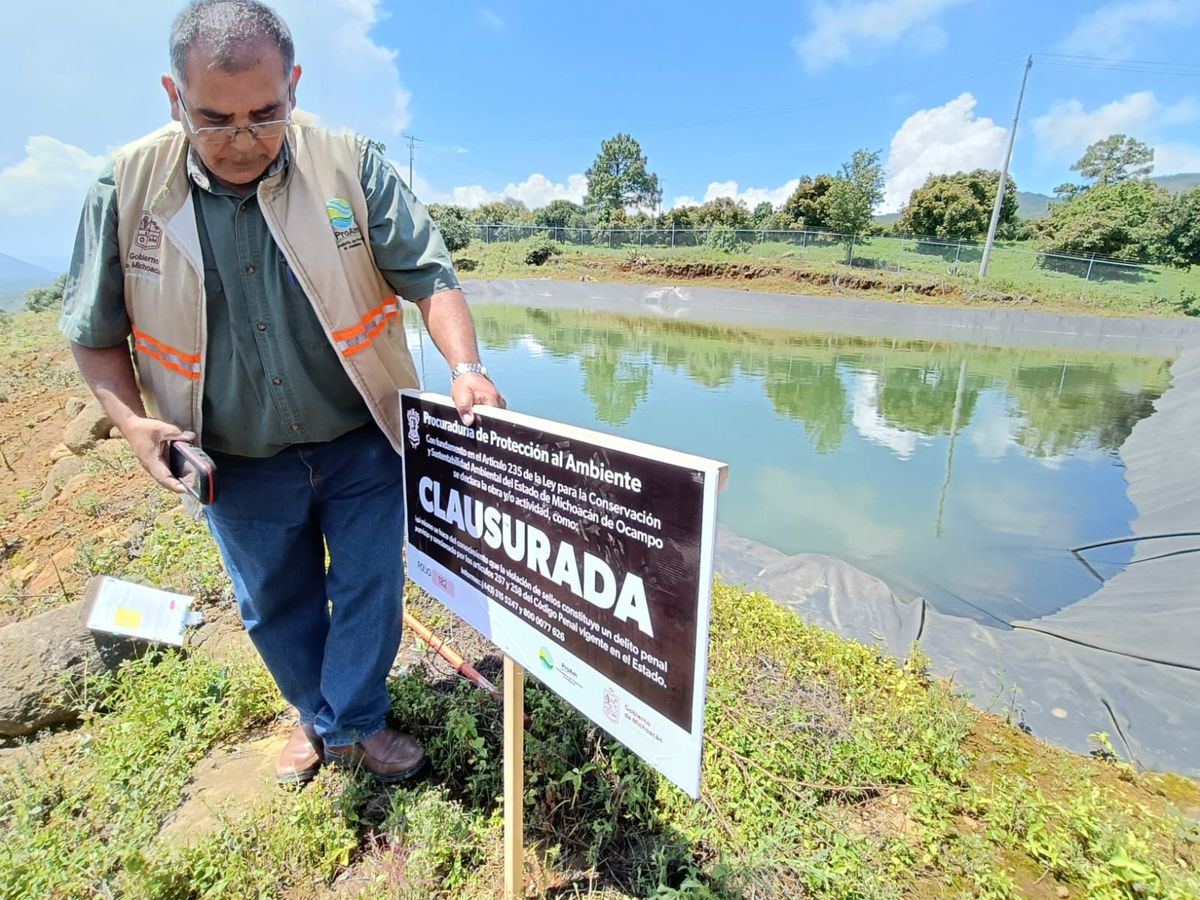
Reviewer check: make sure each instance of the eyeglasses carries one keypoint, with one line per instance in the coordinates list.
(227, 134)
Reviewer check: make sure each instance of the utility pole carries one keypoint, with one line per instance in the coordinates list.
(1012, 135)
(412, 142)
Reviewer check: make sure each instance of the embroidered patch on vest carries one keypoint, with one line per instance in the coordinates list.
(149, 235)
(142, 261)
(345, 229)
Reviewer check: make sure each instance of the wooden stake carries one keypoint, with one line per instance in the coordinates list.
(514, 780)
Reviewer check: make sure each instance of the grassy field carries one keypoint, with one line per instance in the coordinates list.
(1015, 275)
(829, 771)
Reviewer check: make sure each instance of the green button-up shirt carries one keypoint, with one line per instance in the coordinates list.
(272, 378)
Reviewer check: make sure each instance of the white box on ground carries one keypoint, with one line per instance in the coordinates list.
(137, 611)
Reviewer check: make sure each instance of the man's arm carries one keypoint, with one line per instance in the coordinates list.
(95, 322)
(413, 258)
(449, 324)
(108, 371)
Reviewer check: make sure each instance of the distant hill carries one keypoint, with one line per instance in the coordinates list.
(18, 276)
(1177, 184)
(1032, 206)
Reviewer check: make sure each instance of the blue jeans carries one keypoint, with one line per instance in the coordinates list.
(328, 637)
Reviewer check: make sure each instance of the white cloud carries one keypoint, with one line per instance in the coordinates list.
(1113, 29)
(61, 82)
(50, 175)
(844, 29)
(491, 19)
(1171, 158)
(942, 140)
(750, 196)
(872, 426)
(1067, 129)
(536, 190)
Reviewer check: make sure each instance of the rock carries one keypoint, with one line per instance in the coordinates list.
(62, 451)
(64, 470)
(1063, 892)
(38, 656)
(76, 485)
(22, 574)
(90, 425)
(228, 778)
(223, 640)
(74, 406)
(48, 580)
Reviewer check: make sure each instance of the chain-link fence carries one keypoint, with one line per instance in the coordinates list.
(882, 253)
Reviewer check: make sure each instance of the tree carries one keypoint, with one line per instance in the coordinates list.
(559, 214)
(723, 211)
(619, 179)
(1115, 159)
(503, 213)
(680, 217)
(1180, 240)
(1122, 220)
(762, 214)
(1067, 190)
(808, 205)
(49, 296)
(454, 225)
(959, 206)
(855, 193)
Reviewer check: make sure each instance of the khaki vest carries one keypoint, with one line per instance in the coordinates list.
(315, 210)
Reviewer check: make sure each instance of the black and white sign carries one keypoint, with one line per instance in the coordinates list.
(587, 558)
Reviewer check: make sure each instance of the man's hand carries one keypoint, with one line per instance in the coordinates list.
(149, 439)
(470, 389)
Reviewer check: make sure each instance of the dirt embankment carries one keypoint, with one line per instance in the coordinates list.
(873, 282)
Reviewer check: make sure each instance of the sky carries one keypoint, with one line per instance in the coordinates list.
(512, 99)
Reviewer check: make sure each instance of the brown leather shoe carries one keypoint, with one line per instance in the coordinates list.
(389, 756)
(301, 757)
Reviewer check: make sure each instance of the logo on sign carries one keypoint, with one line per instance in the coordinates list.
(414, 434)
(546, 659)
(612, 706)
(149, 235)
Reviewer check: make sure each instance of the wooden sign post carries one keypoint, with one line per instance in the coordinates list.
(514, 780)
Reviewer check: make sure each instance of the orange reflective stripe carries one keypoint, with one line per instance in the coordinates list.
(194, 375)
(388, 309)
(359, 337)
(187, 365)
(165, 348)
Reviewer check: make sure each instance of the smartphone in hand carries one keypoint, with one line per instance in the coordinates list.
(194, 470)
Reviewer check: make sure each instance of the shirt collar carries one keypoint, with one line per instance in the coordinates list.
(199, 174)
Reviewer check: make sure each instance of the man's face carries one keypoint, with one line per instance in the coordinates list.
(211, 97)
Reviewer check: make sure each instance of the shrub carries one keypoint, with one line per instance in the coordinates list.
(48, 296)
(540, 251)
(724, 238)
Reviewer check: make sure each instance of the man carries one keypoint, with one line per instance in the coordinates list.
(255, 261)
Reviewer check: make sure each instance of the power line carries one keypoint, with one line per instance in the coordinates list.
(1111, 64)
(412, 142)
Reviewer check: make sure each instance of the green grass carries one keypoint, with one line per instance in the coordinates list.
(1015, 269)
(828, 771)
(75, 826)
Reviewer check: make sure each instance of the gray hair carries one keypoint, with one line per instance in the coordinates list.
(229, 29)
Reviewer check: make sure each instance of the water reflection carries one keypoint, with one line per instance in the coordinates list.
(958, 472)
